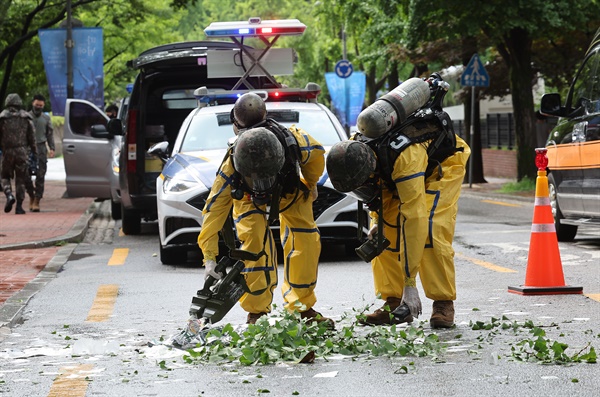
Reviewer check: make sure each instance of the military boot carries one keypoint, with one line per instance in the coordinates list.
(311, 315)
(31, 200)
(253, 317)
(19, 210)
(10, 200)
(442, 315)
(383, 315)
(35, 206)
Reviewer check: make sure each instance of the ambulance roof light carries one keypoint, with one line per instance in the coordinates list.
(255, 27)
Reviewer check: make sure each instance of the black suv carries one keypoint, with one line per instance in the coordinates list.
(161, 98)
(574, 149)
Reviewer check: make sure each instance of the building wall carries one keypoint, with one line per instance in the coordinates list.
(499, 163)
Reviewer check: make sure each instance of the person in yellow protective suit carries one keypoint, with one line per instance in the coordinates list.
(419, 207)
(298, 230)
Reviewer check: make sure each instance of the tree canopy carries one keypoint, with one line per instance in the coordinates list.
(389, 40)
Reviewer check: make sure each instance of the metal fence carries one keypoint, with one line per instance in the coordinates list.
(497, 130)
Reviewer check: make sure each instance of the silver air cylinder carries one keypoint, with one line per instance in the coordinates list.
(393, 108)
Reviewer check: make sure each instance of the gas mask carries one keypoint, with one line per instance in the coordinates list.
(258, 156)
(369, 193)
(261, 188)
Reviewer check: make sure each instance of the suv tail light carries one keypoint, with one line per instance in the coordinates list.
(131, 140)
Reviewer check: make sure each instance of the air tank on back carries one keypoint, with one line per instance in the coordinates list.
(393, 108)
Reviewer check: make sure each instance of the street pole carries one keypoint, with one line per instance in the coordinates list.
(69, 45)
(472, 134)
(347, 107)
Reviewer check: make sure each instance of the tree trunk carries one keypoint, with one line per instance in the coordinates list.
(517, 54)
(393, 77)
(475, 171)
(7, 72)
(371, 85)
(475, 174)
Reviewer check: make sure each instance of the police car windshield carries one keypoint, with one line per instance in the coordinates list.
(211, 131)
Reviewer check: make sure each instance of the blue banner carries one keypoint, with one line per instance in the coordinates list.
(347, 95)
(88, 72)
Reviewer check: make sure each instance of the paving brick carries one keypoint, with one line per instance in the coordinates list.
(56, 218)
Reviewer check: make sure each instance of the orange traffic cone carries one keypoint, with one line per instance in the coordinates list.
(544, 268)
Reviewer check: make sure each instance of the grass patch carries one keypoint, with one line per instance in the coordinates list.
(524, 185)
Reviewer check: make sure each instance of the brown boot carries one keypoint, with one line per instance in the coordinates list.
(312, 315)
(35, 206)
(31, 200)
(443, 314)
(253, 317)
(383, 315)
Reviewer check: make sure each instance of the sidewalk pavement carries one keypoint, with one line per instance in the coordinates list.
(35, 246)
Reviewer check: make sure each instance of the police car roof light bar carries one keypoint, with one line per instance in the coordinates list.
(255, 27)
(207, 96)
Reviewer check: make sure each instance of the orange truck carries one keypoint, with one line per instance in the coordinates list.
(574, 149)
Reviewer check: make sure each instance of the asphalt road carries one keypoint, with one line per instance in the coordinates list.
(87, 331)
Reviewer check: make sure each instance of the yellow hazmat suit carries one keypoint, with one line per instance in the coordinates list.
(298, 230)
(420, 216)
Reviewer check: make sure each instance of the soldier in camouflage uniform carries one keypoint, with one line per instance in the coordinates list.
(44, 137)
(17, 138)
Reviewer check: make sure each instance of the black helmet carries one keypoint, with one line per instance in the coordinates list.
(13, 100)
(350, 164)
(258, 156)
(249, 109)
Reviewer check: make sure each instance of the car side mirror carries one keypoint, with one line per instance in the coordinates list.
(160, 150)
(99, 131)
(551, 105)
(115, 126)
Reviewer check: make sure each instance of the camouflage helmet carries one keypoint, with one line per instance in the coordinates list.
(258, 156)
(249, 110)
(13, 100)
(350, 164)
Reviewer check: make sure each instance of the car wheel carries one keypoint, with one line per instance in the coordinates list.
(173, 255)
(563, 232)
(131, 221)
(115, 210)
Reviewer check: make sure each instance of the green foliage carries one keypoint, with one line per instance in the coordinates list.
(538, 348)
(387, 39)
(546, 351)
(129, 27)
(291, 339)
(524, 185)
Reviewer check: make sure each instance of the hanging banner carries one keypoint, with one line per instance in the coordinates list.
(347, 95)
(88, 72)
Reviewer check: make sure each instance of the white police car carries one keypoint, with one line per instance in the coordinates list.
(198, 151)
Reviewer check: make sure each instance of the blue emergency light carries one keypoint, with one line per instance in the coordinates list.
(256, 27)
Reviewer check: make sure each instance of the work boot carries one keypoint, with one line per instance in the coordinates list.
(35, 206)
(253, 317)
(442, 315)
(19, 210)
(31, 200)
(311, 315)
(383, 315)
(10, 200)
